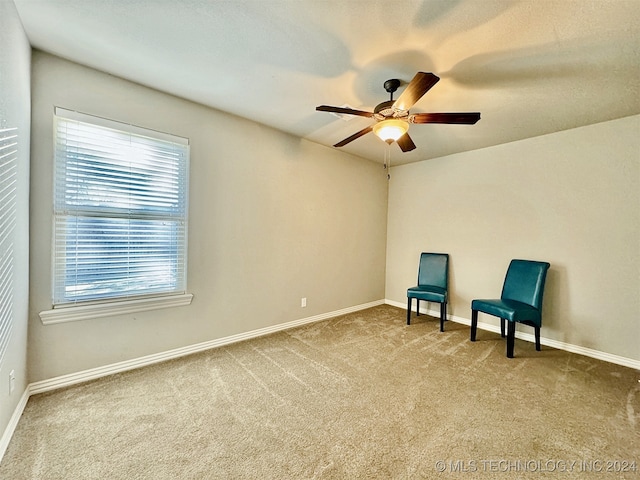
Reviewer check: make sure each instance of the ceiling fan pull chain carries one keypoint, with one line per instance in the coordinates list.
(387, 160)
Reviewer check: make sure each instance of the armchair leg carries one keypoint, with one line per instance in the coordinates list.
(443, 308)
(408, 310)
(445, 311)
(511, 338)
(474, 324)
(417, 307)
(537, 329)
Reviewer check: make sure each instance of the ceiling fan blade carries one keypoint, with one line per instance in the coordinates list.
(347, 111)
(405, 143)
(362, 132)
(464, 118)
(419, 85)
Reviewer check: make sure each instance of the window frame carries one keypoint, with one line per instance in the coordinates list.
(130, 301)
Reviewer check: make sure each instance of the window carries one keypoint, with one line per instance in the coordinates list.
(120, 211)
(8, 210)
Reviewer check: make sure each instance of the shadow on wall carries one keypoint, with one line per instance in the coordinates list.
(451, 306)
(555, 304)
(562, 319)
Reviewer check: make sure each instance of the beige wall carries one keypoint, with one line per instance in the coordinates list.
(571, 198)
(15, 55)
(272, 219)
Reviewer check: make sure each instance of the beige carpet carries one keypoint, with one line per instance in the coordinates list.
(355, 397)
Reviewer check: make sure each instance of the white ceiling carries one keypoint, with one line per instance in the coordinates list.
(530, 67)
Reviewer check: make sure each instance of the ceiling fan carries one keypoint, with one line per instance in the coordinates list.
(393, 117)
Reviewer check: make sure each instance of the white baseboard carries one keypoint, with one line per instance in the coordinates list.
(94, 373)
(13, 422)
(529, 337)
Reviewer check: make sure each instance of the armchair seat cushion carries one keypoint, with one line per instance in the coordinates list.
(511, 310)
(429, 293)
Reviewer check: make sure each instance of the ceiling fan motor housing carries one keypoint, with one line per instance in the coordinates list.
(385, 110)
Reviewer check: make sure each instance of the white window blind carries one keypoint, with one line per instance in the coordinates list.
(8, 183)
(120, 210)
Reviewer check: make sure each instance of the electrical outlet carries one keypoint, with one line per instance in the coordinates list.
(303, 302)
(12, 381)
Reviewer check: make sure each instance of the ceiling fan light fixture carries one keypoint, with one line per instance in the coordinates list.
(390, 130)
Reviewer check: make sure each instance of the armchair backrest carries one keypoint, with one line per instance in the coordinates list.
(524, 282)
(434, 269)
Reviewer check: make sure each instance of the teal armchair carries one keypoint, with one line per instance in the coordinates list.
(521, 301)
(433, 284)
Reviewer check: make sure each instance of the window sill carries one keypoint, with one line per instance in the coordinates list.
(86, 312)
